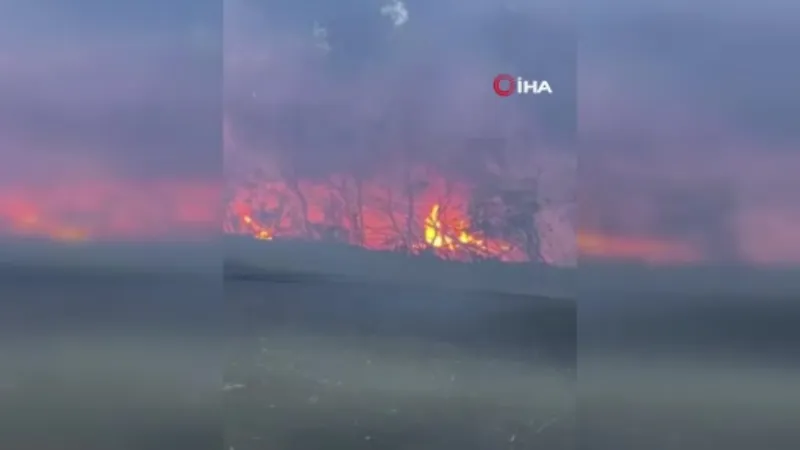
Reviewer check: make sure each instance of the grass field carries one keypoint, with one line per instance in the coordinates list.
(689, 372)
(323, 364)
(105, 359)
(121, 356)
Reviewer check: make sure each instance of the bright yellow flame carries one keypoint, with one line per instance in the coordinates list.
(259, 232)
(373, 224)
(438, 237)
(433, 228)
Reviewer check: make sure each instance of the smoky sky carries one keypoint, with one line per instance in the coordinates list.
(344, 88)
(683, 112)
(130, 89)
(686, 116)
(335, 96)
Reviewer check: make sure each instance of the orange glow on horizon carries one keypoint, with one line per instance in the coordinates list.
(373, 216)
(109, 210)
(370, 214)
(649, 249)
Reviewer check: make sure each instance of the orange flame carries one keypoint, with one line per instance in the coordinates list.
(454, 234)
(369, 213)
(377, 217)
(373, 216)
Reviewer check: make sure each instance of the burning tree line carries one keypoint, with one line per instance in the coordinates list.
(416, 209)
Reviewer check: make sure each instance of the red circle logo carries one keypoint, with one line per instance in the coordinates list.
(499, 81)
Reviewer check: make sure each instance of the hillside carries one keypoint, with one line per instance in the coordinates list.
(248, 259)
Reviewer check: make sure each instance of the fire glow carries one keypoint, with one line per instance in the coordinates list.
(109, 209)
(436, 220)
(365, 213)
(433, 218)
(636, 248)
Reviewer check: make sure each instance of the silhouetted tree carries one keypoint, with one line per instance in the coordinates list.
(508, 211)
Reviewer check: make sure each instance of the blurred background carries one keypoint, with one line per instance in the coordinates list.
(109, 197)
(687, 162)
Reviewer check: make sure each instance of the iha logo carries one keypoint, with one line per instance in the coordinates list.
(505, 85)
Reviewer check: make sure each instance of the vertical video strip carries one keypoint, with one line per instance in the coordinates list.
(110, 285)
(689, 253)
(399, 239)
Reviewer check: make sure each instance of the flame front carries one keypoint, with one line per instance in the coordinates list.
(258, 231)
(456, 234)
(373, 215)
(369, 214)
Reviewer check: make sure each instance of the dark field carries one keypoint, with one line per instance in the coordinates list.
(689, 372)
(329, 364)
(109, 360)
(120, 359)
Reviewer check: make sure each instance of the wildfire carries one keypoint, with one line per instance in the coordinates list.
(369, 214)
(435, 220)
(437, 234)
(259, 232)
(109, 209)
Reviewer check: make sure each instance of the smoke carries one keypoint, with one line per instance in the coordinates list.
(320, 35)
(686, 136)
(379, 99)
(396, 11)
(689, 137)
(109, 119)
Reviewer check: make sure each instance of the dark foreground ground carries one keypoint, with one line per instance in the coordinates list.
(121, 360)
(97, 360)
(323, 364)
(689, 372)
(104, 360)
